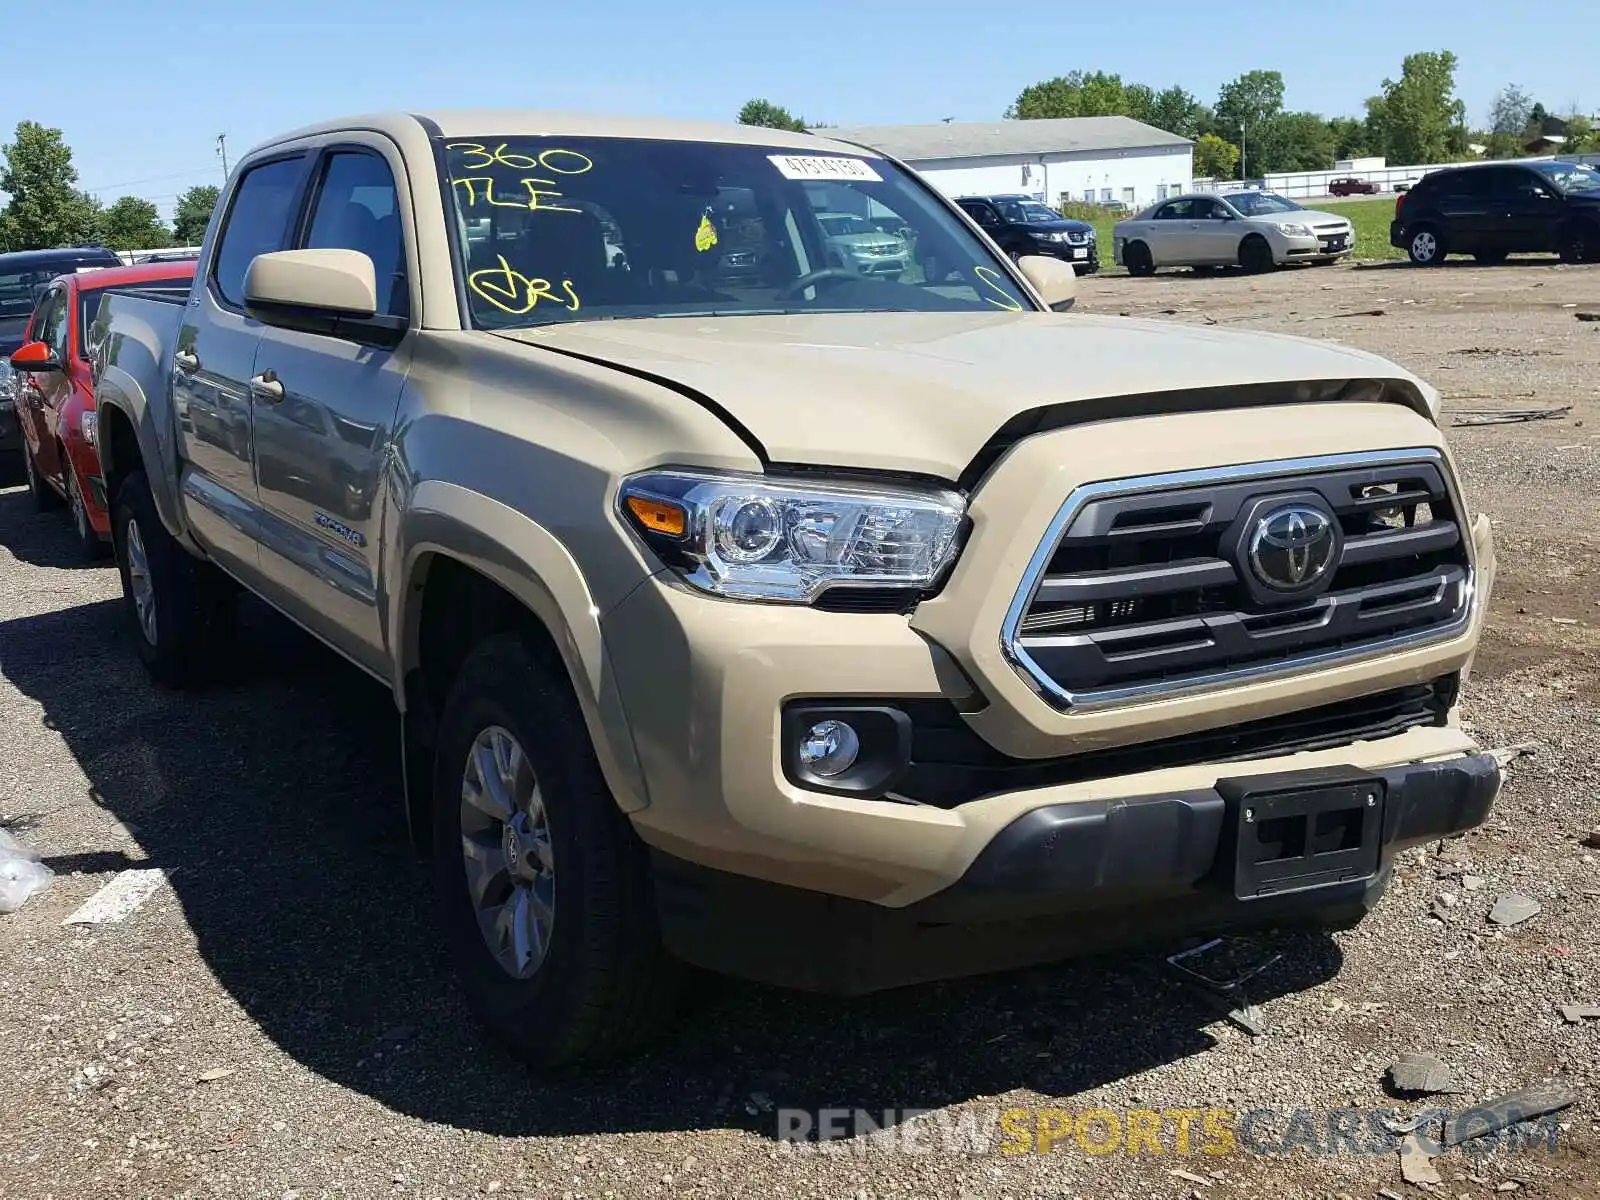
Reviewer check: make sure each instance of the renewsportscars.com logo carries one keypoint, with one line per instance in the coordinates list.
(1175, 1132)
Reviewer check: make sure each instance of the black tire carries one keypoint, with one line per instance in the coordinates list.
(605, 986)
(90, 543)
(1137, 258)
(1489, 258)
(44, 497)
(1580, 242)
(192, 601)
(1255, 255)
(1425, 246)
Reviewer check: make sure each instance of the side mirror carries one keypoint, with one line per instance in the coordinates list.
(289, 284)
(35, 358)
(1054, 280)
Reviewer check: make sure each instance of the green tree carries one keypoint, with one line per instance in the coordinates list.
(772, 116)
(1511, 111)
(1214, 158)
(1176, 111)
(1418, 118)
(1350, 137)
(1139, 102)
(1582, 137)
(1078, 94)
(1244, 105)
(193, 212)
(133, 224)
(46, 208)
(1298, 141)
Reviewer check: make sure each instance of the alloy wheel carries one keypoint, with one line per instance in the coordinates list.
(506, 850)
(139, 582)
(1424, 246)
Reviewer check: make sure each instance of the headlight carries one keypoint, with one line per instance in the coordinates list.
(89, 423)
(1295, 230)
(8, 384)
(1048, 236)
(756, 538)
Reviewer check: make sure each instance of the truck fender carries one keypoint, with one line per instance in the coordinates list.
(117, 390)
(530, 564)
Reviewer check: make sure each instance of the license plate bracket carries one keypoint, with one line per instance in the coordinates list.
(1300, 831)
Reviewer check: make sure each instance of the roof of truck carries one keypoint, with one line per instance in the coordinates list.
(513, 122)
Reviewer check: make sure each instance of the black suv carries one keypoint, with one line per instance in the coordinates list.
(1490, 210)
(23, 275)
(1021, 225)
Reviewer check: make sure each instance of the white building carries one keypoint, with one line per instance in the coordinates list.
(1094, 159)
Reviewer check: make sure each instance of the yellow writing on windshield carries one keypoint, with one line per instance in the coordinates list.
(551, 159)
(512, 292)
(481, 187)
(995, 292)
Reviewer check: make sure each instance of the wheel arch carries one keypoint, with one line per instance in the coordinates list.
(456, 584)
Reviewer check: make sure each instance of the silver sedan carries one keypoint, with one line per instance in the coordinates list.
(1254, 230)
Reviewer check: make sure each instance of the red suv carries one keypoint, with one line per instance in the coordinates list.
(1352, 187)
(55, 391)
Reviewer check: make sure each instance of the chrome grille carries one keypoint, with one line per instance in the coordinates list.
(1141, 585)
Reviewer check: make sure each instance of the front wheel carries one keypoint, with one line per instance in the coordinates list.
(1255, 256)
(1580, 243)
(1137, 258)
(1425, 247)
(181, 609)
(542, 885)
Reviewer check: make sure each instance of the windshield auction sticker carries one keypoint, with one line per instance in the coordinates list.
(806, 166)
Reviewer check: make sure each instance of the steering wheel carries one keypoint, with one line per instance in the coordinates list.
(790, 290)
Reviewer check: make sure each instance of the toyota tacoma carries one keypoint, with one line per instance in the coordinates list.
(824, 627)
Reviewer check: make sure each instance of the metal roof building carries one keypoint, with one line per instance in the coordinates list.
(1096, 159)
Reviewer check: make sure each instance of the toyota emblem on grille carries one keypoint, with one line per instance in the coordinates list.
(1292, 547)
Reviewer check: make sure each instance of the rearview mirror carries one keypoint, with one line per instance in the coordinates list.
(286, 284)
(1054, 280)
(35, 357)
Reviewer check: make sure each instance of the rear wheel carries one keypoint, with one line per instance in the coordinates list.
(1255, 255)
(542, 885)
(1137, 258)
(181, 609)
(43, 495)
(1425, 246)
(90, 542)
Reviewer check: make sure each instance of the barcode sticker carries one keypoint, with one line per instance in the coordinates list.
(805, 166)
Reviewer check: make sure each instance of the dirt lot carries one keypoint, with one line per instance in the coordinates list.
(279, 1021)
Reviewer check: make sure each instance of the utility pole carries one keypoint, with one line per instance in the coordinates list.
(222, 153)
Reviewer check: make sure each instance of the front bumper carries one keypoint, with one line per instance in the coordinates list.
(1084, 259)
(1069, 879)
(1314, 247)
(10, 430)
(880, 264)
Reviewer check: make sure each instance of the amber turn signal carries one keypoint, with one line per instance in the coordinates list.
(659, 516)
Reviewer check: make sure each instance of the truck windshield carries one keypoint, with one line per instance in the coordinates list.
(575, 229)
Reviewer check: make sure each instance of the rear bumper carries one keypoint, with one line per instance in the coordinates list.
(1071, 879)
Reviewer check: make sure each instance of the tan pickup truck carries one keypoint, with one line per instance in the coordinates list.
(751, 608)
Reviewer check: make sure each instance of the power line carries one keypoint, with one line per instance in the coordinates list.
(107, 187)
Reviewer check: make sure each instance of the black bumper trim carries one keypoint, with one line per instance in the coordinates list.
(1061, 881)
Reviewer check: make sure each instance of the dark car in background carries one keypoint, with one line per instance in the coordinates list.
(1351, 186)
(24, 275)
(1490, 210)
(1022, 225)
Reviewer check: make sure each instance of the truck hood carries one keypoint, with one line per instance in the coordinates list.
(924, 392)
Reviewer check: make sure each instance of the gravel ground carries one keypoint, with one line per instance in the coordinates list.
(279, 1022)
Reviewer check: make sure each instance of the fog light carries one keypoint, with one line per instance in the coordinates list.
(829, 748)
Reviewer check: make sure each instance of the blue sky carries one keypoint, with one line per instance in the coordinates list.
(145, 87)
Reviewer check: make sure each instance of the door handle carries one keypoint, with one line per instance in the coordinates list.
(185, 361)
(266, 386)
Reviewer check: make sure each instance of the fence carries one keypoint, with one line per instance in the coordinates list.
(1300, 184)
